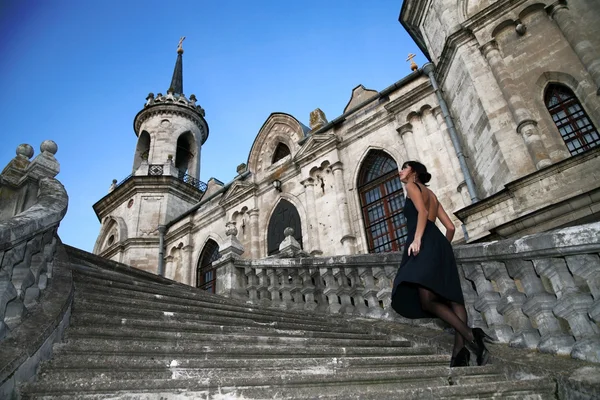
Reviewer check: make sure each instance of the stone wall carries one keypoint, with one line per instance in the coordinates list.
(537, 292)
(35, 286)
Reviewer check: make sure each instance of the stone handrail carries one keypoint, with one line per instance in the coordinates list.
(33, 204)
(538, 292)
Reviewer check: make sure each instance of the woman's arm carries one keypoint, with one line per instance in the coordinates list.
(446, 221)
(417, 198)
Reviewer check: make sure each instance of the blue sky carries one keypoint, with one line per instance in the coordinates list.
(77, 72)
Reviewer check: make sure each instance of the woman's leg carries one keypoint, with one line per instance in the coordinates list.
(431, 304)
(459, 341)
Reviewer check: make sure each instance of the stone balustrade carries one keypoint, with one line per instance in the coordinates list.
(538, 292)
(32, 205)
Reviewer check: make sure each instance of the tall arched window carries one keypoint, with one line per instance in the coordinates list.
(285, 215)
(205, 274)
(382, 202)
(142, 150)
(570, 119)
(184, 156)
(281, 151)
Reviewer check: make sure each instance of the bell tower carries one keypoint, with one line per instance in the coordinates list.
(164, 181)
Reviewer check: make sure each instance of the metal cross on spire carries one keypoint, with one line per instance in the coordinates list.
(180, 45)
(413, 65)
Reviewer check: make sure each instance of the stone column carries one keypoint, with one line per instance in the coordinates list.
(459, 179)
(187, 265)
(439, 161)
(406, 133)
(348, 238)
(313, 223)
(585, 50)
(526, 125)
(254, 238)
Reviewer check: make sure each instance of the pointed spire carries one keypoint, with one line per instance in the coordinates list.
(177, 80)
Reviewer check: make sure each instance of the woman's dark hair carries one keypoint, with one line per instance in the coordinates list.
(420, 169)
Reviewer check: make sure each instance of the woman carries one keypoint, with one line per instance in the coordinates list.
(427, 284)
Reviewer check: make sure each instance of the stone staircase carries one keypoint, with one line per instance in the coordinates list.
(133, 336)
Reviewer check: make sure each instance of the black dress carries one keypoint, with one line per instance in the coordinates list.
(433, 268)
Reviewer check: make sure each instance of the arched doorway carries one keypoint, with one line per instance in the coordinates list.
(285, 215)
(205, 273)
(382, 203)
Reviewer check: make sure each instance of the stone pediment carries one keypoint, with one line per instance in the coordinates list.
(238, 191)
(315, 145)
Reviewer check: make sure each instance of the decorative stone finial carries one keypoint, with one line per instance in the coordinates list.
(317, 119)
(413, 65)
(25, 150)
(230, 229)
(289, 231)
(241, 168)
(50, 146)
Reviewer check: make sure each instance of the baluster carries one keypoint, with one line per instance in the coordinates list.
(384, 294)
(307, 289)
(264, 295)
(538, 308)
(523, 275)
(252, 287)
(511, 305)
(296, 289)
(587, 267)
(370, 292)
(283, 275)
(343, 291)
(356, 291)
(487, 303)
(319, 282)
(331, 290)
(275, 287)
(470, 296)
(572, 305)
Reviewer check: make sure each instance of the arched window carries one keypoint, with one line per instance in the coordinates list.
(205, 274)
(570, 119)
(382, 202)
(285, 215)
(142, 150)
(184, 155)
(281, 151)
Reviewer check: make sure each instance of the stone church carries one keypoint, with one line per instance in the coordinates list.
(505, 116)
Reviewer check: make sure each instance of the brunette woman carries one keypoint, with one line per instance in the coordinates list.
(427, 284)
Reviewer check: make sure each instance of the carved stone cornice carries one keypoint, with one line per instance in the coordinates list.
(171, 110)
(410, 97)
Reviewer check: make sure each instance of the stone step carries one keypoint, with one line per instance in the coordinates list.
(281, 376)
(455, 383)
(126, 333)
(183, 297)
(155, 304)
(182, 292)
(157, 361)
(120, 311)
(182, 348)
(93, 320)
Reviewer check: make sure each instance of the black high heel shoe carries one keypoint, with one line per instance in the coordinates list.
(478, 347)
(461, 359)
